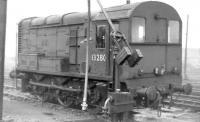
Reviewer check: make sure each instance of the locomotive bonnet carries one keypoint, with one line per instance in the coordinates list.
(51, 52)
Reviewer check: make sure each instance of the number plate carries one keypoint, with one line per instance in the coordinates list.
(99, 57)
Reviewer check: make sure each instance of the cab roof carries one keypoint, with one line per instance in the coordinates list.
(117, 12)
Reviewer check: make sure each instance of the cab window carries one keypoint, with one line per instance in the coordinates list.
(173, 31)
(101, 35)
(138, 29)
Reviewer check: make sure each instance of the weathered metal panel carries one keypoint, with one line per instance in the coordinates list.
(74, 18)
(81, 38)
(174, 58)
(100, 57)
(22, 62)
(154, 56)
(77, 34)
(24, 47)
(118, 12)
(62, 41)
(28, 61)
(45, 64)
(38, 21)
(124, 27)
(33, 40)
(57, 43)
(53, 64)
(53, 19)
(41, 40)
(82, 54)
(156, 28)
(51, 38)
(72, 55)
(156, 31)
(23, 39)
(25, 23)
(161, 81)
(123, 7)
(113, 15)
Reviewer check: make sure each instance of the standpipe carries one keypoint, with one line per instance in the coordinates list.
(84, 104)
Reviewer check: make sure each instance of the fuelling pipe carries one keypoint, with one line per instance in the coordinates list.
(106, 104)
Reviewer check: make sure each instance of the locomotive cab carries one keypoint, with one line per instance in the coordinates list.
(155, 29)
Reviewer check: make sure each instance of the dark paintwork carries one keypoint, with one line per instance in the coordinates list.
(51, 36)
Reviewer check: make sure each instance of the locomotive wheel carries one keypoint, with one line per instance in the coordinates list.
(63, 100)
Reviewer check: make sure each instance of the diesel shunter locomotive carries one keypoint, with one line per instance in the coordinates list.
(51, 55)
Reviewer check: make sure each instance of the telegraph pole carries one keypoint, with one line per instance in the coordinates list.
(186, 46)
(128, 1)
(84, 104)
(3, 7)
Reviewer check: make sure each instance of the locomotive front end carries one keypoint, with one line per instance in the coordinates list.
(153, 29)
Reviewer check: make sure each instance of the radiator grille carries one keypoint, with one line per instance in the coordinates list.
(19, 39)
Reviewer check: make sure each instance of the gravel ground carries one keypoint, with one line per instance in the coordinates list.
(168, 115)
(24, 111)
(24, 107)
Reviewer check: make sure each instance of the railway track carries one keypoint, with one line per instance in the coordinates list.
(188, 101)
(142, 115)
(180, 100)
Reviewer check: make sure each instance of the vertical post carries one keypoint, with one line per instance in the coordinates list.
(16, 59)
(186, 46)
(115, 70)
(84, 104)
(128, 1)
(3, 7)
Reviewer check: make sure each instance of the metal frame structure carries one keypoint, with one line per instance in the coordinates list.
(3, 8)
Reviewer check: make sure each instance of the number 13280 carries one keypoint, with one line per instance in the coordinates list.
(98, 57)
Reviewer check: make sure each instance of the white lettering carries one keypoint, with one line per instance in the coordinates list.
(98, 57)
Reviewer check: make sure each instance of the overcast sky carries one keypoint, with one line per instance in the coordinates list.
(19, 9)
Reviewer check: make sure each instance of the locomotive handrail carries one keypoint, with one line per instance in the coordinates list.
(55, 87)
(71, 74)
